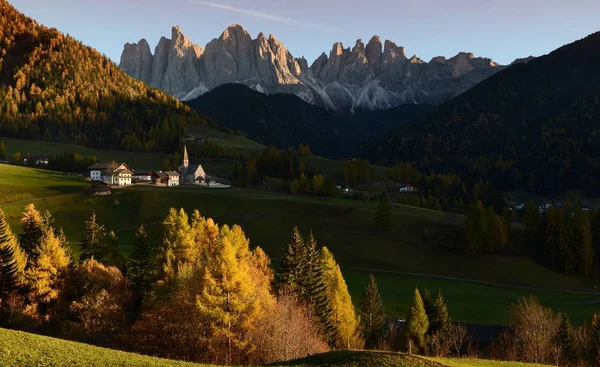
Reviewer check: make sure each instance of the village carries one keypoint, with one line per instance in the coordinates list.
(106, 176)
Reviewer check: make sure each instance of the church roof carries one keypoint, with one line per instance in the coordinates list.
(194, 168)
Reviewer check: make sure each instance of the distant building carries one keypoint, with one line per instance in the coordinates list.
(191, 173)
(112, 173)
(36, 160)
(167, 179)
(406, 188)
(142, 177)
(100, 188)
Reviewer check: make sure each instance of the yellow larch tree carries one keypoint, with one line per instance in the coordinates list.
(46, 274)
(344, 314)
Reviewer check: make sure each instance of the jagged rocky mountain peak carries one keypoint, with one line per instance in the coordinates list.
(372, 76)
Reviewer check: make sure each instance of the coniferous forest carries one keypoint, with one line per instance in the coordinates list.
(54, 88)
(532, 127)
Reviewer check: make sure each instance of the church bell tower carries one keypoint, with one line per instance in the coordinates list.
(185, 163)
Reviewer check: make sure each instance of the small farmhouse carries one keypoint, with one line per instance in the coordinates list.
(112, 173)
(100, 188)
(36, 160)
(191, 173)
(169, 178)
(142, 177)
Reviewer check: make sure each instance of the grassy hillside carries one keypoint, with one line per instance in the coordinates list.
(362, 359)
(344, 226)
(22, 349)
(470, 362)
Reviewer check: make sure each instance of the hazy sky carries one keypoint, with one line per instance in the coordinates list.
(500, 29)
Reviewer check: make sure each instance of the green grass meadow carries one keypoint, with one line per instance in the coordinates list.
(23, 349)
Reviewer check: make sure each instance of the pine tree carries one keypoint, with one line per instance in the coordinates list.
(12, 260)
(417, 323)
(293, 263)
(439, 319)
(302, 273)
(33, 227)
(566, 341)
(141, 266)
(316, 290)
(344, 316)
(372, 313)
(92, 245)
(383, 216)
(428, 303)
(46, 274)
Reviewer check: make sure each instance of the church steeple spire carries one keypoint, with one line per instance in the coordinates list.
(186, 160)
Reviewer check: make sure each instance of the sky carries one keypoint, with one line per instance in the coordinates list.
(501, 30)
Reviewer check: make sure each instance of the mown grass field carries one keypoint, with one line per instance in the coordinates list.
(344, 226)
(22, 349)
(470, 362)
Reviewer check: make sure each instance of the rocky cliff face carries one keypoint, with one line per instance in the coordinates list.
(375, 76)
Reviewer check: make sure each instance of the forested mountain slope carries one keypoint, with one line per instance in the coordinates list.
(533, 126)
(286, 120)
(52, 87)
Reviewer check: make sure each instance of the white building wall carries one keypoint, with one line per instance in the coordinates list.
(96, 175)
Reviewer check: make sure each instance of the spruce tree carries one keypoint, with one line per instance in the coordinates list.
(92, 245)
(313, 281)
(33, 227)
(141, 266)
(12, 260)
(292, 264)
(566, 341)
(439, 318)
(417, 322)
(372, 313)
(428, 303)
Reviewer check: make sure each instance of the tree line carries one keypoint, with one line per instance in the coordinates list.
(566, 239)
(204, 295)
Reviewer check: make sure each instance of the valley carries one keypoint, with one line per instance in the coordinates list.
(235, 205)
(344, 226)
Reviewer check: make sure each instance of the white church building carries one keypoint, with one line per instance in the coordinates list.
(191, 173)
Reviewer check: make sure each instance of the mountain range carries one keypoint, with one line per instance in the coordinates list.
(533, 126)
(374, 76)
